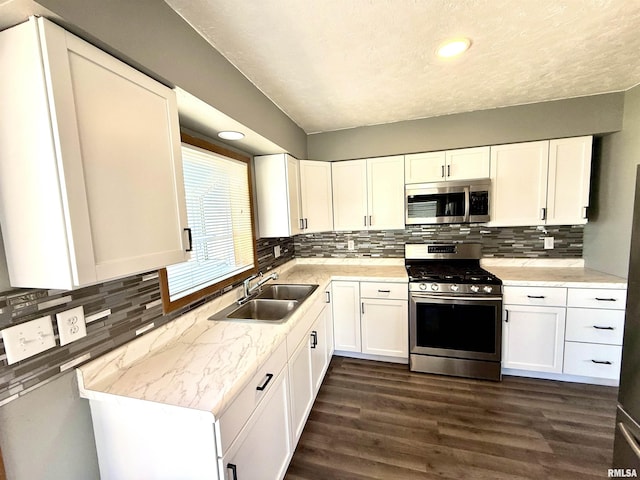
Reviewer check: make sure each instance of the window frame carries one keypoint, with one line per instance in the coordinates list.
(168, 305)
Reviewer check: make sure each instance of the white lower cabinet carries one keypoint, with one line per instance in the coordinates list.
(533, 338)
(301, 389)
(371, 318)
(573, 332)
(263, 448)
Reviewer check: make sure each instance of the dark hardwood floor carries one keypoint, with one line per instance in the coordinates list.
(374, 420)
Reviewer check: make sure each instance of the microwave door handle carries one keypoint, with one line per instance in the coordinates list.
(467, 204)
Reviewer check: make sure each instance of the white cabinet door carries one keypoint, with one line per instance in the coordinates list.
(263, 448)
(101, 171)
(385, 193)
(425, 167)
(350, 195)
(319, 359)
(519, 182)
(385, 327)
(277, 186)
(346, 316)
(468, 163)
(533, 338)
(569, 177)
(301, 387)
(315, 192)
(328, 321)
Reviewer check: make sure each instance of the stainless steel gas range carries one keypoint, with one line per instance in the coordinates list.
(455, 311)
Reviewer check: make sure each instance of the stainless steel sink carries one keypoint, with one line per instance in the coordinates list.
(264, 309)
(288, 292)
(276, 303)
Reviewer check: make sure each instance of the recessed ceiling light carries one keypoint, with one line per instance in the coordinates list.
(453, 47)
(231, 135)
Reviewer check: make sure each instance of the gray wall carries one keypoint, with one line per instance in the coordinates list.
(607, 236)
(154, 38)
(47, 434)
(539, 121)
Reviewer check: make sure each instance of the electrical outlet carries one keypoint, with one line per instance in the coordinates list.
(351, 245)
(548, 243)
(28, 339)
(71, 325)
(276, 251)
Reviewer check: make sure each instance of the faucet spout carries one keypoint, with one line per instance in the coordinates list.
(248, 289)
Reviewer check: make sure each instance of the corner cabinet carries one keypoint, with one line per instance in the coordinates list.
(368, 194)
(293, 196)
(90, 163)
(541, 183)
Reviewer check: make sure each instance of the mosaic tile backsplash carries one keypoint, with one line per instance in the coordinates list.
(119, 309)
(523, 242)
(114, 312)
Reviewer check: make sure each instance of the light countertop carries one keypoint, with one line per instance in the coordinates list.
(199, 364)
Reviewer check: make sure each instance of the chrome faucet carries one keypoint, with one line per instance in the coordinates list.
(248, 289)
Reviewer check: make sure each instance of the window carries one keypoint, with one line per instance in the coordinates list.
(217, 186)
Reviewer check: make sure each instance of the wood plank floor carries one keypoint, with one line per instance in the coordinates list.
(375, 420)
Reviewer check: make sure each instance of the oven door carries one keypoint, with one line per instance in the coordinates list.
(457, 327)
(436, 203)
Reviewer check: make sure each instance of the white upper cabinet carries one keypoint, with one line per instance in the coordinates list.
(460, 164)
(569, 177)
(278, 195)
(293, 196)
(90, 163)
(315, 191)
(519, 182)
(541, 183)
(369, 194)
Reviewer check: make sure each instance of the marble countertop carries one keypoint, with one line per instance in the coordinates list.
(199, 364)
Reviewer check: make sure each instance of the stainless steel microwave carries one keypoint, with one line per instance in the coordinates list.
(464, 201)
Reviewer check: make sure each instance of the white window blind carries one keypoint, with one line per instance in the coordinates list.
(219, 215)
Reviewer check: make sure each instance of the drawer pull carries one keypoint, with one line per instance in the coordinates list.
(314, 339)
(603, 328)
(264, 385)
(328, 294)
(384, 291)
(234, 470)
(605, 299)
(536, 296)
(602, 362)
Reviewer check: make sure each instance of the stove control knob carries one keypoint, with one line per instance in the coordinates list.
(423, 286)
(434, 286)
(454, 288)
(475, 288)
(487, 289)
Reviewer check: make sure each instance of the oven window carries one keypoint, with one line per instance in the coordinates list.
(436, 205)
(470, 328)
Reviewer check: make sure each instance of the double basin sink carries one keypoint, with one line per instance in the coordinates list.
(275, 303)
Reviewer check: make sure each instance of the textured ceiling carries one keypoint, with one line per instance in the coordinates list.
(334, 64)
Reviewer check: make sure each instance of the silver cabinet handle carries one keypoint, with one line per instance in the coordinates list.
(603, 328)
(302, 224)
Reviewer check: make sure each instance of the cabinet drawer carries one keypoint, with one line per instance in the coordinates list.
(592, 360)
(236, 415)
(397, 291)
(595, 325)
(597, 298)
(542, 296)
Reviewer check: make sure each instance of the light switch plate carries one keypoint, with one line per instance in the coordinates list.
(28, 339)
(276, 251)
(71, 325)
(548, 243)
(351, 245)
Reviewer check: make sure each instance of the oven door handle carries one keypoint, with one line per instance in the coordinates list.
(444, 297)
